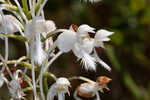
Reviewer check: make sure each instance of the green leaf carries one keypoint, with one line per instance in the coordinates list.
(18, 37)
(48, 36)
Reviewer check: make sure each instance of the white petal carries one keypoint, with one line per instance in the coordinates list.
(88, 45)
(85, 45)
(62, 81)
(99, 44)
(83, 29)
(100, 34)
(101, 62)
(1, 81)
(2, 1)
(88, 88)
(105, 39)
(77, 50)
(66, 41)
(10, 27)
(50, 25)
(51, 93)
(37, 52)
(61, 96)
(88, 62)
(71, 28)
(38, 25)
(28, 30)
(97, 96)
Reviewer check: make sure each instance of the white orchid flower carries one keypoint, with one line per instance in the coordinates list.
(77, 40)
(50, 25)
(90, 88)
(60, 88)
(14, 86)
(87, 90)
(9, 24)
(33, 31)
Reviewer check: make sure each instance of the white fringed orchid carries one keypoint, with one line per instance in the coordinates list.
(33, 31)
(59, 88)
(78, 40)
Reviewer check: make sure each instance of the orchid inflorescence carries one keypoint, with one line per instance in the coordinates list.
(37, 33)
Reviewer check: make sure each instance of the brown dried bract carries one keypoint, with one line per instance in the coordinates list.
(75, 27)
(22, 81)
(102, 82)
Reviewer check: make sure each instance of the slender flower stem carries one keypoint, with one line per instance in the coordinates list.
(20, 59)
(97, 96)
(47, 57)
(21, 11)
(5, 64)
(30, 5)
(52, 60)
(44, 69)
(33, 8)
(41, 7)
(29, 66)
(33, 80)
(81, 78)
(6, 40)
(9, 1)
(26, 43)
(42, 13)
(6, 48)
(17, 15)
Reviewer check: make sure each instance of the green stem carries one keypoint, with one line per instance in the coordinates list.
(37, 6)
(25, 7)
(37, 68)
(45, 85)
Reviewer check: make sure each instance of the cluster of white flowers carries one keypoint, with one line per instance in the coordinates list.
(37, 34)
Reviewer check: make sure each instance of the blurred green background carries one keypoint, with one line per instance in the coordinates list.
(128, 53)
